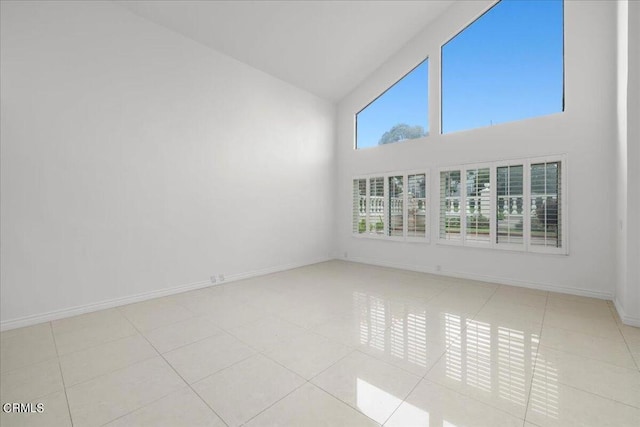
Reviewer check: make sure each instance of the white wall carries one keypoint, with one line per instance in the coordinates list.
(627, 296)
(585, 132)
(135, 161)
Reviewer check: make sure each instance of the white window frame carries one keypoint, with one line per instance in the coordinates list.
(405, 212)
(526, 246)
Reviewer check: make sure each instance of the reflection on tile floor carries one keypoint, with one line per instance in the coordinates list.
(334, 344)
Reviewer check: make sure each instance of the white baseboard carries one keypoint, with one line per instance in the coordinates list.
(6, 325)
(485, 278)
(626, 319)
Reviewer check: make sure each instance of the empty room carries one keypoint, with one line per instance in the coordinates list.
(320, 213)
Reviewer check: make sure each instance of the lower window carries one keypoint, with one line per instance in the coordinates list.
(512, 205)
(391, 206)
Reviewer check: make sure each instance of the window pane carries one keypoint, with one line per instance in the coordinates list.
(359, 206)
(376, 206)
(478, 203)
(509, 209)
(507, 65)
(545, 204)
(450, 205)
(396, 203)
(398, 114)
(417, 206)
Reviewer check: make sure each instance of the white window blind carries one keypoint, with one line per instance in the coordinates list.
(515, 205)
(546, 219)
(450, 208)
(510, 209)
(375, 224)
(391, 206)
(417, 205)
(396, 206)
(359, 206)
(478, 204)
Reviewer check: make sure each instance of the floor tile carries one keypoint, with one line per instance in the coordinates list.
(205, 357)
(86, 364)
(576, 298)
(308, 315)
(355, 329)
(430, 404)
(597, 326)
(492, 364)
(594, 376)
(180, 408)
(205, 301)
(55, 413)
(308, 354)
(512, 315)
(26, 346)
(266, 332)
(155, 313)
(579, 307)
(612, 350)
(522, 296)
(558, 405)
(27, 384)
(457, 303)
(184, 332)
(242, 391)
(102, 399)
(369, 385)
(415, 341)
(88, 330)
(631, 336)
(310, 407)
(234, 315)
(366, 335)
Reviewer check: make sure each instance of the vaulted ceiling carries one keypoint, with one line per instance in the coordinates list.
(324, 47)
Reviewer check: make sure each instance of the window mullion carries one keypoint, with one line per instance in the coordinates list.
(493, 209)
(526, 205)
(463, 205)
(368, 208)
(385, 207)
(405, 206)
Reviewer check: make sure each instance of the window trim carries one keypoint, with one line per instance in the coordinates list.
(526, 245)
(385, 235)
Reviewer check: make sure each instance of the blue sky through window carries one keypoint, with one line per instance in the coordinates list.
(507, 65)
(406, 102)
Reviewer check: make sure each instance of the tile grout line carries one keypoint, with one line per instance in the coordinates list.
(263, 352)
(637, 408)
(535, 362)
(64, 386)
(353, 350)
(423, 378)
(112, 370)
(178, 374)
(624, 338)
(536, 359)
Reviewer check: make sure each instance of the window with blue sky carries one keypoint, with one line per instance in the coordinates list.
(507, 65)
(399, 114)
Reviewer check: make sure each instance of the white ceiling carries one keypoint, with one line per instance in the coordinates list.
(324, 47)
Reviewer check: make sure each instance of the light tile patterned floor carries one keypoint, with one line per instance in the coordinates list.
(333, 344)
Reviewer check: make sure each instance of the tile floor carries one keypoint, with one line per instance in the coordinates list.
(332, 344)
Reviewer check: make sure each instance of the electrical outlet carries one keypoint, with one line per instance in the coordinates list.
(346, 254)
(221, 277)
(213, 279)
(438, 267)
